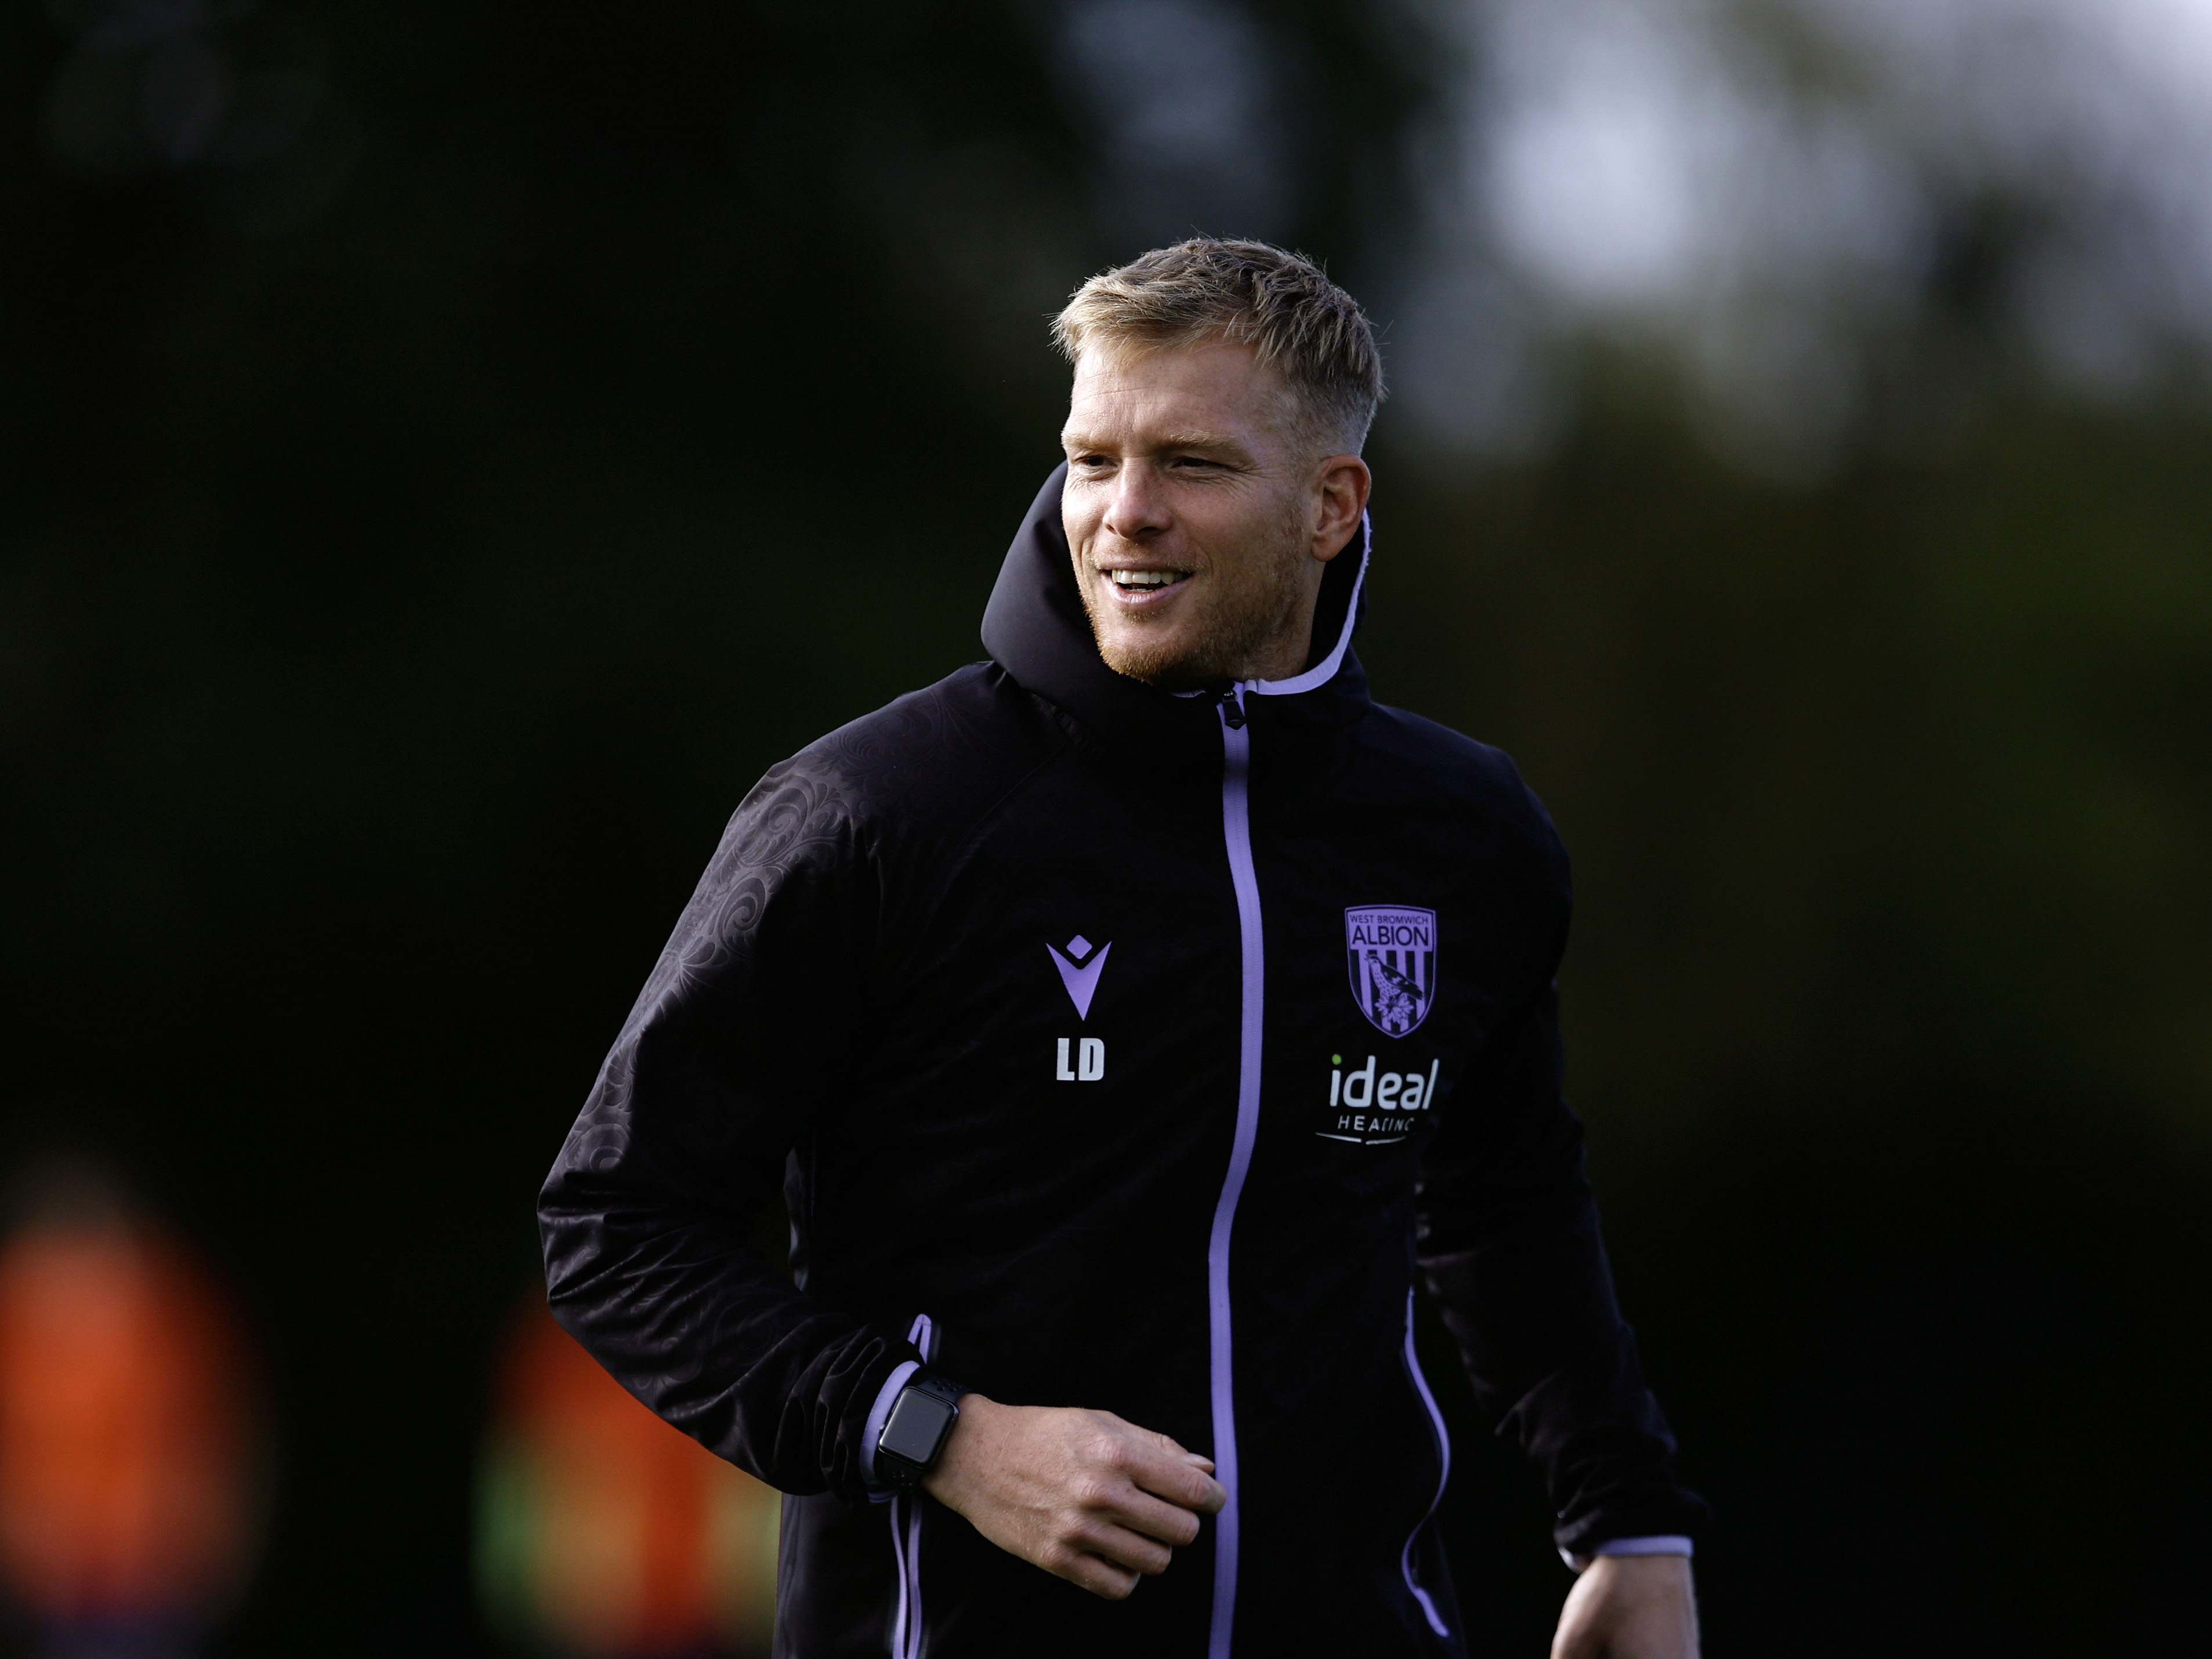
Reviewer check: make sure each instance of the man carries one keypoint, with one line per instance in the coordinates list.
(1128, 1019)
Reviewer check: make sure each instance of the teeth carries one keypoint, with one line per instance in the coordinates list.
(1145, 577)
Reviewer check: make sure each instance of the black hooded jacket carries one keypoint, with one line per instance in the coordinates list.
(1128, 1050)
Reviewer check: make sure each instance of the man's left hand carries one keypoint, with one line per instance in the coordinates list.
(1630, 1606)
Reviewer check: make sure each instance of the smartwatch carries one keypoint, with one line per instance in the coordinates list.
(914, 1434)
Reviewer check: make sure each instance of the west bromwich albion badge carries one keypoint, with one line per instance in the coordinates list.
(1392, 950)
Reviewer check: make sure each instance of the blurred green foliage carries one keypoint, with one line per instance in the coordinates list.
(1904, 773)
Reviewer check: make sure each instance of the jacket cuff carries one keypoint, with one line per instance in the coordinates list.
(1659, 1544)
(879, 1414)
(1652, 1506)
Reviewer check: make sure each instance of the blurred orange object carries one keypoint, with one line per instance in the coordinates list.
(124, 1494)
(608, 1532)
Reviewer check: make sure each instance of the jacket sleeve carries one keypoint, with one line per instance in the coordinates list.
(1507, 1240)
(719, 1075)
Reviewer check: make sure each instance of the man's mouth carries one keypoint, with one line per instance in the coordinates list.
(1141, 583)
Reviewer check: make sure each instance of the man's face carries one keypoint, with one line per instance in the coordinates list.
(1200, 523)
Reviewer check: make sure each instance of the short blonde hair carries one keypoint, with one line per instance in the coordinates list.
(1305, 327)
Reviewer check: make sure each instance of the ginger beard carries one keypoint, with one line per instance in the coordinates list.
(1191, 512)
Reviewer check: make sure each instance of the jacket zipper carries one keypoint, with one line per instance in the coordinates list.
(1236, 834)
(906, 1528)
(1443, 1475)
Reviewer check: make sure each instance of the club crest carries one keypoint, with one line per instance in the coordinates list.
(1392, 951)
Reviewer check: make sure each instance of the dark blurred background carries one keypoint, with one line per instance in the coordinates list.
(447, 452)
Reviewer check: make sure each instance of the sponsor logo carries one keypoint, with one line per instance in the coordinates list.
(1081, 962)
(1369, 1107)
(1391, 950)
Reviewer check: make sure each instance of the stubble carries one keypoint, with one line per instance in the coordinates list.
(1254, 604)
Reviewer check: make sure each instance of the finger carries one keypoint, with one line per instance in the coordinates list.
(1177, 1479)
(1101, 1577)
(1119, 1546)
(1140, 1511)
(1175, 1448)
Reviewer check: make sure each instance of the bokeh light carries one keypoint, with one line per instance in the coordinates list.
(604, 1533)
(127, 1505)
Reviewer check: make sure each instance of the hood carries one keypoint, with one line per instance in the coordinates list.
(1035, 627)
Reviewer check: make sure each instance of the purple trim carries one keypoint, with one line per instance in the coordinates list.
(906, 1519)
(1237, 833)
(899, 1507)
(1660, 1545)
(879, 1414)
(1325, 670)
(1444, 1473)
(1664, 1544)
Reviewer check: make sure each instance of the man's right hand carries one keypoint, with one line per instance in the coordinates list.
(1081, 1493)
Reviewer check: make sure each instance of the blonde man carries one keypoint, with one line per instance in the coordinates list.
(1128, 1020)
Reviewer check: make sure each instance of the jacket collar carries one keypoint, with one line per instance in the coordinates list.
(1035, 627)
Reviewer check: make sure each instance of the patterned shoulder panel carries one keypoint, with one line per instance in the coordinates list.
(898, 785)
(797, 818)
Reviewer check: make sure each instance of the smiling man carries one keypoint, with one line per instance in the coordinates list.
(1130, 1021)
(1200, 518)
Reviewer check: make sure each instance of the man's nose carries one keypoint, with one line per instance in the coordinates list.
(1136, 510)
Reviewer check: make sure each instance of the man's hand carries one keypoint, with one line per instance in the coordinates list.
(1082, 1494)
(1630, 1606)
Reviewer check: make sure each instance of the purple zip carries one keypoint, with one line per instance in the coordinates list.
(1443, 1473)
(1237, 832)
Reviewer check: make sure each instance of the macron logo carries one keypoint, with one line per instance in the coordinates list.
(1081, 962)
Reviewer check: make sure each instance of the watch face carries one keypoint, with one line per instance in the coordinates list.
(917, 1424)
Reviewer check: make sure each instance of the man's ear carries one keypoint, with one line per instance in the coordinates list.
(1342, 483)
